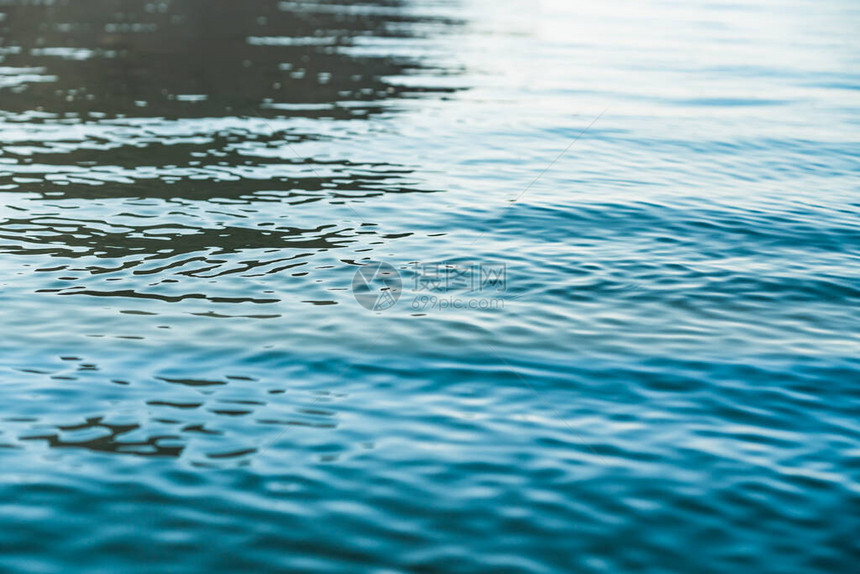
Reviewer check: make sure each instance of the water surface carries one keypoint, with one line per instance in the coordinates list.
(668, 381)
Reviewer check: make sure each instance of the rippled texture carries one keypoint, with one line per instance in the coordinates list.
(672, 384)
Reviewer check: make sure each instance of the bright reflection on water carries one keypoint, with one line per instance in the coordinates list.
(668, 381)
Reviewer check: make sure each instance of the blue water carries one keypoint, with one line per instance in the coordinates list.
(666, 378)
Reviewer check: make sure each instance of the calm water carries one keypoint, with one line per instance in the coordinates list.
(663, 377)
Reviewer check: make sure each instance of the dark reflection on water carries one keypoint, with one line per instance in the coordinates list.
(99, 436)
(201, 108)
(202, 58)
